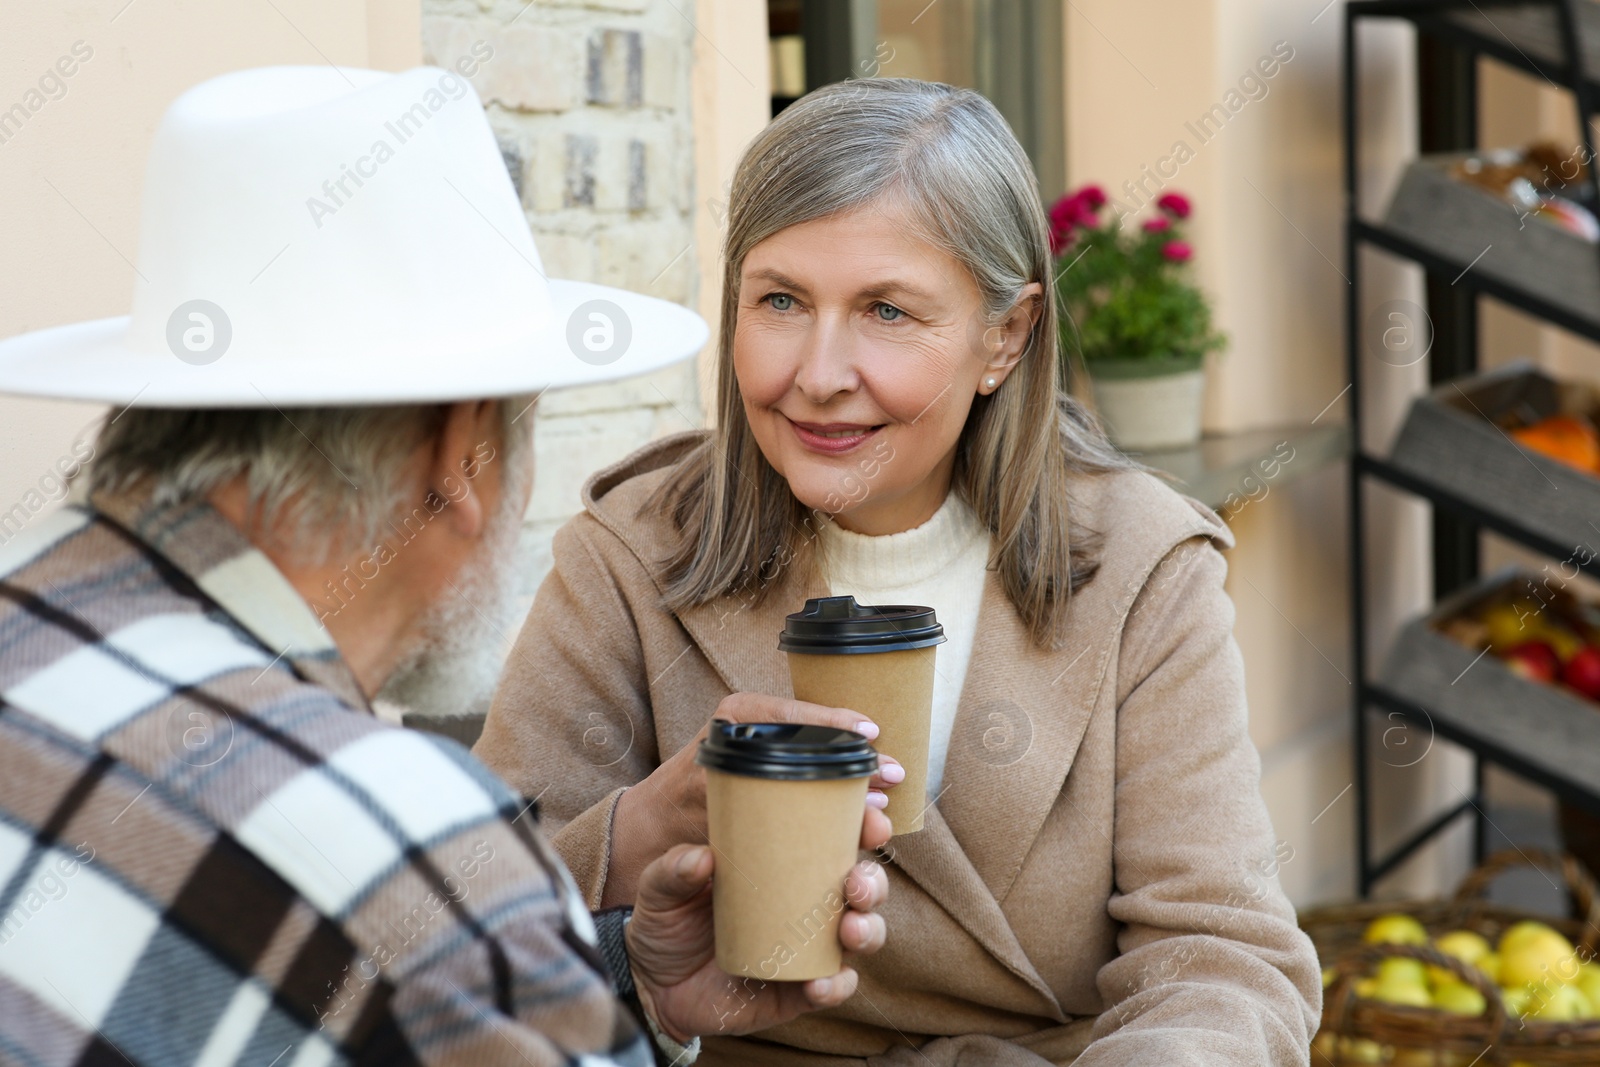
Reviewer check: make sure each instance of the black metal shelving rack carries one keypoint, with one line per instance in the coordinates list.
(1558, 41)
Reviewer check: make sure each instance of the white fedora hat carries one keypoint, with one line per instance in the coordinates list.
(313, 236)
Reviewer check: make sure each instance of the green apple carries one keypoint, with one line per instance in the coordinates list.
(1458, 998)
(1395, 929)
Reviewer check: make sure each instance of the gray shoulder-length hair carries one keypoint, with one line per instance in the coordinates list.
(948, 160)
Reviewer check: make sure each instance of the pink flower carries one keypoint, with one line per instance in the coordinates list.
(1077, 209)
(1177, 251)
(1158, 224)
(1069, 212)
(1175, 204)
(1060, 241)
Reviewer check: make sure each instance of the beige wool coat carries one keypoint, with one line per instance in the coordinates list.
(1097, 883)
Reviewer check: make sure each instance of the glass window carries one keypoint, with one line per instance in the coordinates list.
(1009, 50)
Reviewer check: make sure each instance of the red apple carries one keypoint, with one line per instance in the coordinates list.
(1535, 660)
(1582, 672)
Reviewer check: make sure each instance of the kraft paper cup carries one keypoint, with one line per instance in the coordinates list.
(784, 804)
(878, 661)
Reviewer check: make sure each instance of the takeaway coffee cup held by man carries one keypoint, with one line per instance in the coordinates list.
(308, 497)
(783, 807)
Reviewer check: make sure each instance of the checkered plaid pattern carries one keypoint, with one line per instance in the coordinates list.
(211, 852)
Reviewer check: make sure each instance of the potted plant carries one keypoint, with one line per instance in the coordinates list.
(1133, 318)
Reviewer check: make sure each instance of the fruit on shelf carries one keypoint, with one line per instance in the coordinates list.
(1509, 624)
(1400, 991)
(1589, 982)
(1398, 970)
(1566, 643)
(1565, 438)
(1361, 1050)
(1532, 954)
(1466, 946)
(1516, 1000)
(1536, 969)
(1395, 929)
(1560, 1004)
(1582, 672)
(1458, 998)
(1534, 659)
(1539, 629)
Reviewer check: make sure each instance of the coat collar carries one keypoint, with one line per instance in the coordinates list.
(197, 541)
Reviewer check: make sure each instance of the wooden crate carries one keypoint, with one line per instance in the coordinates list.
(1546, 726)
(1462, 222)
(1450, 439)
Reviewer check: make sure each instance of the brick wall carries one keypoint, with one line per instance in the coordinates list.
(590, 100)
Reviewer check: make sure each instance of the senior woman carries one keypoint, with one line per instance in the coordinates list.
(1096, 882)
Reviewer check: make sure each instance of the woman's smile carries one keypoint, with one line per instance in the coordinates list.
(832, 438)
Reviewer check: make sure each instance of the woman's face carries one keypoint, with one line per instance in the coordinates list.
(859, 348)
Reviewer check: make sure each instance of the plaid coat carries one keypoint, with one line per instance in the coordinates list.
(211, 852)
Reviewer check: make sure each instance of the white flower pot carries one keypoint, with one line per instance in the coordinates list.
(1150, 413)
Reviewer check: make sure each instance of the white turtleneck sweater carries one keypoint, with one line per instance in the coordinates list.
(941, 564)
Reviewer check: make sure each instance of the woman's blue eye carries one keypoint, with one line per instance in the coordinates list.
(889, 313)
(780, 301)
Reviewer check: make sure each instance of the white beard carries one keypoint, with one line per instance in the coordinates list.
(467, 633)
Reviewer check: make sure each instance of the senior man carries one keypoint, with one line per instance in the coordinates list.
(308, 496)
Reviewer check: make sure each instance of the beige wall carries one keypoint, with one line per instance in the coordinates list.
(70, 178)
(1268, 235)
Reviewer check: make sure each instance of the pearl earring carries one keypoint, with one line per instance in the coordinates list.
(990, 384)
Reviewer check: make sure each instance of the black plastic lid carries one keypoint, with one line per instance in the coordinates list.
(837, 625)
(786, 750)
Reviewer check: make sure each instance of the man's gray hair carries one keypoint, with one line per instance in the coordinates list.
(332, 473)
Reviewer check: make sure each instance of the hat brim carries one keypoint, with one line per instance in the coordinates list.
(92, 361)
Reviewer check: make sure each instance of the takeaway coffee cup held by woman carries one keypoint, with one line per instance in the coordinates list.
(878, 661)
(783, 812)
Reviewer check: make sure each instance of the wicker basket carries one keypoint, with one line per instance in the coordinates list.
(1418, 1037)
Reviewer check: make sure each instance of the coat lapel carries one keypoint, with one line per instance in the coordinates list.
(1022, 715)
(937, 862)
(739, 637)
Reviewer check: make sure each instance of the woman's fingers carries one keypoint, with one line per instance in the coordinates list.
(875, 828)
(831, 992)
(862, 929)
(890, 773)
(862, 934)
(866, 887)
(759, 707)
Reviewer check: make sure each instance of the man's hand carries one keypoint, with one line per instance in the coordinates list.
(669, 807)
(674, 958)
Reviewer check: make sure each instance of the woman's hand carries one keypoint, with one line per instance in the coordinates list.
(669, 807)
(670, 945)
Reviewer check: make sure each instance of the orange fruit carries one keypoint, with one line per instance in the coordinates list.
(1563, 438)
